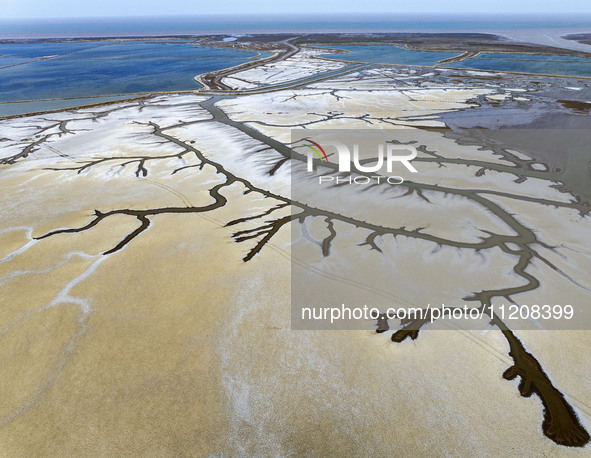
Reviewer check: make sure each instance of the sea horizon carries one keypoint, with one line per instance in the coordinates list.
(150, 26)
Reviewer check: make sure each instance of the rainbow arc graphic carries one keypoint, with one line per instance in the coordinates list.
(317, 149)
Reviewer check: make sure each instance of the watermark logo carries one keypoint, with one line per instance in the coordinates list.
(387, 153)
(316, 148)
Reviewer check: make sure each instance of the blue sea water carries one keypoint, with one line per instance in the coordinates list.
(539, 67)
(528, 63)
(34, 71)
(32, 50)
(507, 56)
(388, 54)
(9, 61)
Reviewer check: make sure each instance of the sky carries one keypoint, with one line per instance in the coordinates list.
(58, 9)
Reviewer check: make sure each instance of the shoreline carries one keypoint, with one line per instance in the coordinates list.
(511, 39)
(286, 45)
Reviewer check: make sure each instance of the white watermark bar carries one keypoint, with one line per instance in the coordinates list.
(434, 229)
